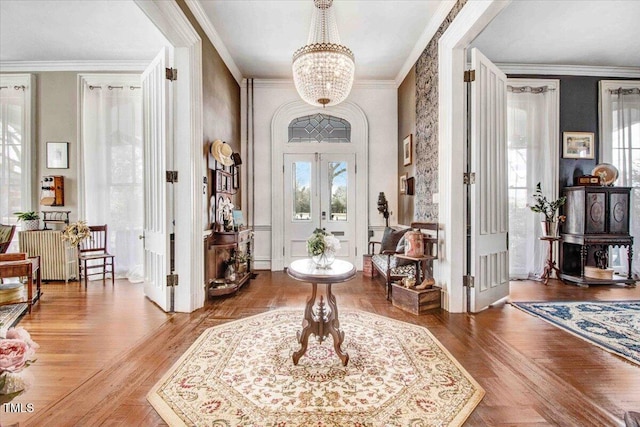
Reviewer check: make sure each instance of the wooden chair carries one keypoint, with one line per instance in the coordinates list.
(6, 235)
(93, 254)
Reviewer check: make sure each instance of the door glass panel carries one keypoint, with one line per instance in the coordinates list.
(338, 194)
(301, 181)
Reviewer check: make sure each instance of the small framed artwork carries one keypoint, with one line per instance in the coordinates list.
(57, 155)
(407, 149)
(410, 186)
(578, 145)
(235, 177)
(403, 183)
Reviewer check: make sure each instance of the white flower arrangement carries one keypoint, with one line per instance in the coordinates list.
(76, 232)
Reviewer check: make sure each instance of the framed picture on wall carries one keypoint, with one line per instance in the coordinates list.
(410, 186)
(403, 183)
(57, 155)
(578, 145)
(407, 149)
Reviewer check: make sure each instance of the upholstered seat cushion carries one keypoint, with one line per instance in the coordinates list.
(396, 270)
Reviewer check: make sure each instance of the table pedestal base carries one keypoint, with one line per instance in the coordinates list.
(321, 323)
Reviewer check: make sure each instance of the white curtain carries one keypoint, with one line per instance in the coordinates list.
(625, 155)
(532, 157)
(12, 160)
(113, 169)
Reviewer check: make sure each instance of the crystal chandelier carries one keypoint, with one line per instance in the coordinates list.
(323, 69)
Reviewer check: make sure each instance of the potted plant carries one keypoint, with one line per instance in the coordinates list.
(550, 211)
(30, 219)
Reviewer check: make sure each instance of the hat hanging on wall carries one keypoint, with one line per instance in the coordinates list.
(221, 151)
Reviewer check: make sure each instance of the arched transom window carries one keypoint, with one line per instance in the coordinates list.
(319, 128)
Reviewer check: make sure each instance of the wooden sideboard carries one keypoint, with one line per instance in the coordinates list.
(219, 249)
(597, 218)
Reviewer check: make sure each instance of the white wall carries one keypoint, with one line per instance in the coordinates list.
(378, 100)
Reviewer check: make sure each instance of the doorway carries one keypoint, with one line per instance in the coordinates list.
(319, 193)
(339, 135)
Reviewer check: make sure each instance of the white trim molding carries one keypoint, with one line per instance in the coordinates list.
(188, 158)
(137, 65)
(424, 39)
(198, 12)
(470, 21)
(360, 135)
(569, 70)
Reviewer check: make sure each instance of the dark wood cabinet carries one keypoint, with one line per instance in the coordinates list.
(220, 248)
(596, 218)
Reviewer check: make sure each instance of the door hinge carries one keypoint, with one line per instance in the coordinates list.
(283, 251)
(468, 281)
(172, 280)
(469, 178)
(470, 76)
(282, 168)
(172, 176)
(171, 74)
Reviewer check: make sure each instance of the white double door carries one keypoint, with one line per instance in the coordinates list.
(319, 192)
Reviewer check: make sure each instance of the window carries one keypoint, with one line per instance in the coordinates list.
(16, 93)
(620, 146)
(532, 136)
(319, 128)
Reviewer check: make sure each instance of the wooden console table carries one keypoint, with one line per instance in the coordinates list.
(18, 265)
(323, 322)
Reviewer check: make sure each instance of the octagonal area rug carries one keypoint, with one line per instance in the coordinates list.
(241, 374)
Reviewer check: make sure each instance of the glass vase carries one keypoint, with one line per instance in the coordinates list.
(323, 260)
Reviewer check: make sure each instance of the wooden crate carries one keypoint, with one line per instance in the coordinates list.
(368, 270)
(413, 301)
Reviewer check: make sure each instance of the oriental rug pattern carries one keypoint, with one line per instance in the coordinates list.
(241, 374)
(614, 326)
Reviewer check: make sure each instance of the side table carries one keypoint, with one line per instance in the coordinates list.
(321, 322)
(550, 266)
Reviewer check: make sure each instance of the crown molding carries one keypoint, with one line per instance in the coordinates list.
(424, 39)
(196, 8)
(115, 65)
(569, 70)
(288, 83)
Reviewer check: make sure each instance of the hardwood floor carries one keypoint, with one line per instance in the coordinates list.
(102, 349)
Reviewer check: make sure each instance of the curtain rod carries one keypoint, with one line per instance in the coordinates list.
(16, 87)
(621, 91)
(91, 87)
(529, 89)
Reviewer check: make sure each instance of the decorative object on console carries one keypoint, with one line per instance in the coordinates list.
(607, 173)
(549, 209)
(586, 180)
(225, 214)
(323, 70)
(578, 145)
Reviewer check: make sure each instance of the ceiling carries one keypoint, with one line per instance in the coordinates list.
(590, 33)
(261, 35)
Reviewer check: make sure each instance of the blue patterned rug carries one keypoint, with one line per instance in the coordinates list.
(614, 326)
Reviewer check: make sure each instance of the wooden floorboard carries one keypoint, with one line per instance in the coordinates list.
(102, 349)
